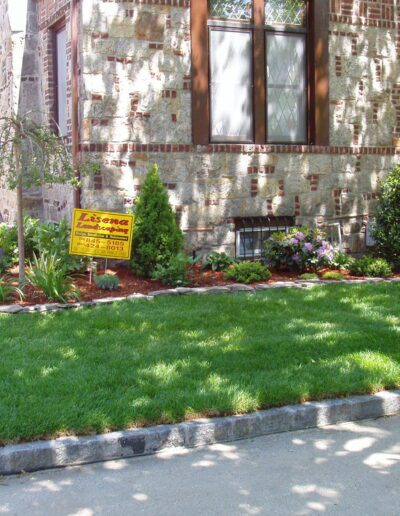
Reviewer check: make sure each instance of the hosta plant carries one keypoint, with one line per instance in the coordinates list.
(219, 261)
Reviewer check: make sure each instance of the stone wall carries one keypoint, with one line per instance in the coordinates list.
(7, 198)
(57, 199)
(136, 109)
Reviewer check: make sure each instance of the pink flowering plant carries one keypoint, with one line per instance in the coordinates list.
(299, 249)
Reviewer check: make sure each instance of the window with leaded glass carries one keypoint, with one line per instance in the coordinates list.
(260, 71)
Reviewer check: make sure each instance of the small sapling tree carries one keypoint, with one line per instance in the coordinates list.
(32, 154)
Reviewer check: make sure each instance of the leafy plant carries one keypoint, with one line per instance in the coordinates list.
(386, 227)
(107, 281)
(32, 154)
(48, 274)
(156, 237)
(341, 260)
(9, 241)
(371, 267)
(333, 275)
(219, 261)
(174, 273)
(299, 249)
(309, 276)
(53, 237)
(247, 272)
(8, 290)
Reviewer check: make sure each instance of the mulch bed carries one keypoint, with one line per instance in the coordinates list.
(132, 284)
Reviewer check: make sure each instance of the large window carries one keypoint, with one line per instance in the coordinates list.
(60, 75)
(260, 71)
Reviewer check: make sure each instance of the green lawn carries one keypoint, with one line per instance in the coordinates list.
(140, 363)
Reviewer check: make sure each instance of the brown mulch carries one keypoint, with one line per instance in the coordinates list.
(130, 284)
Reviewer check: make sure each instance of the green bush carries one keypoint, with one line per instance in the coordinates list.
(107, 281)
(48, 274)
(219, 261)
(299, 249)
(53, 237)
(386, 228)
(174, 273)
(7, 290)
(248, 272)
(333, 275)
(156, 237)
(9, 242)
(341, 260)
(309, 276)
(371, 267)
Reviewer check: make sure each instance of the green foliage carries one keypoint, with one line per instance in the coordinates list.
(48, 274)
(371, 267)
(299, 249)
(248, 272)
(386, 228)
(341, 260)
(107, 281)
(44, 156)
(53, 237)
(156, 237)
(174, 273)
(8, 290)
(219, 261)
(9, 241)
(333, 275)
(309, 276)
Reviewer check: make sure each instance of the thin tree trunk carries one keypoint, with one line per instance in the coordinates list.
(20, 216)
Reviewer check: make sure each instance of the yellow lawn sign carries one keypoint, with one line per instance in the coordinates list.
(101, 234)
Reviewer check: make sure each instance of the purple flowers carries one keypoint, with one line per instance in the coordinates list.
(298, 249)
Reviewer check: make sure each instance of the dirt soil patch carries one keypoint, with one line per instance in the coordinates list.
(132, 284)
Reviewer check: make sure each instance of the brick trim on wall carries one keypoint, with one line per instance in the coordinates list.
(236, 149)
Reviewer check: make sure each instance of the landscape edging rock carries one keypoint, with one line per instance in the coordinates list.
(16, 309)
(68, 451)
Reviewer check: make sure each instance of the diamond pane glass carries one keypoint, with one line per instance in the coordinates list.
(230, 9)
(286, 87)
(231, 85)
(285, 12)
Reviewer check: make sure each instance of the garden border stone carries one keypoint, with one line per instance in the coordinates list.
(222, 289)
(68, 451)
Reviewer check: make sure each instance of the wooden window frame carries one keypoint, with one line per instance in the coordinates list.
(317, 73)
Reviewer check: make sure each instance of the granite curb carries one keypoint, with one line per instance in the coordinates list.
(68, 451)
(225, 289)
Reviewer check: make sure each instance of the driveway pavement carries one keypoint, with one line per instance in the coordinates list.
(349, 469)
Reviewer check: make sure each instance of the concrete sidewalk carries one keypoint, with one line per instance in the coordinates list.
(348, 469)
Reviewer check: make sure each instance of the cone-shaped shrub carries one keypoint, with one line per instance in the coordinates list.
(386, 229)
(156, 236)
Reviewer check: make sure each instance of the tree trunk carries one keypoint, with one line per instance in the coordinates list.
(20, 216)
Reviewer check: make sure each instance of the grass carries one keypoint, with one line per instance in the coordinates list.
(171, 359)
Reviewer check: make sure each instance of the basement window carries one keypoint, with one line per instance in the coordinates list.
(252, 232)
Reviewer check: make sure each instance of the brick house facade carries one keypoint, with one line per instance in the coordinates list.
(136, 103)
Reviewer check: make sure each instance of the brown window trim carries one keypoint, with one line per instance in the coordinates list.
(318, 73)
